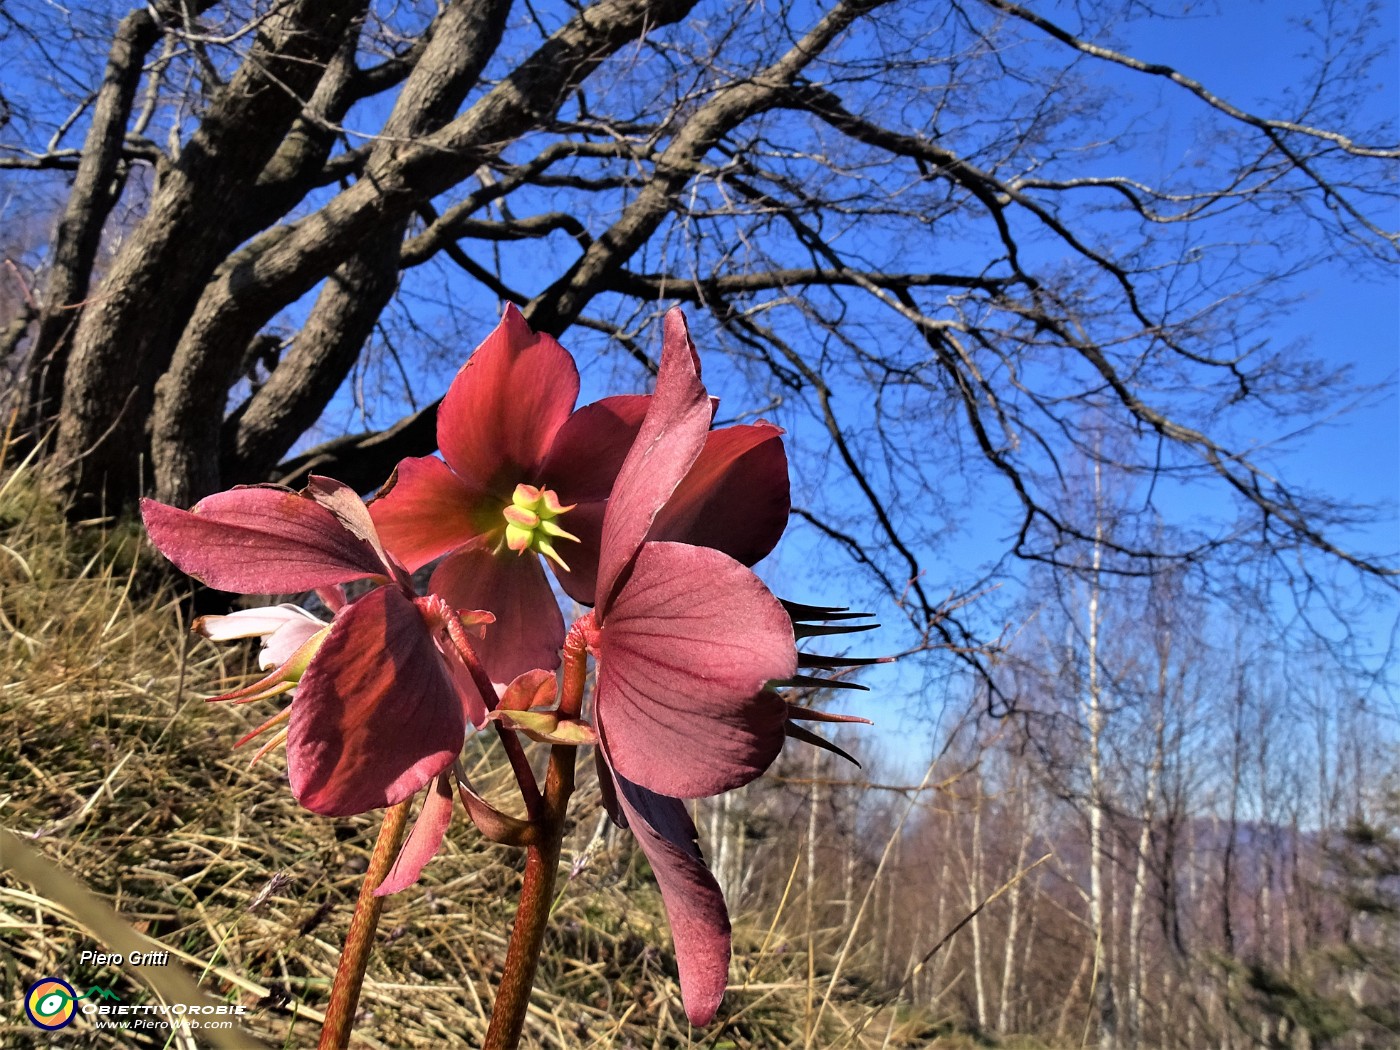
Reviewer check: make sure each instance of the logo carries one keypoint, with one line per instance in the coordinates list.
(50, 1004)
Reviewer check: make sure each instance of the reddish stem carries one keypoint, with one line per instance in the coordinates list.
(541, 868)
(524, 775)
(458, 634)
(354, 957)
(532, 914)
(443, 614)
(575, 667)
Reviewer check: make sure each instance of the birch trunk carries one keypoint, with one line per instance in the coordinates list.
(1008, 963)
(1096, 719)
(1137, 912)
(974, 894)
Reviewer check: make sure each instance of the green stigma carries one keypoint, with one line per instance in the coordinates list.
(530, 523)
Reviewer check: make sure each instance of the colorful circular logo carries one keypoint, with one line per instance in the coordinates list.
(51, 1003)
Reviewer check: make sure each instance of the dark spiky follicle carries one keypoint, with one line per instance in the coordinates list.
(799, 611)
(813, 630)
(797, 732)
(835, 663)
(813, 682)
(803, 626)
(811, 714)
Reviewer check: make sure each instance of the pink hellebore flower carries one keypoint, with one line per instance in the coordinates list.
(686, 640)
(382, 705)
(522, 474)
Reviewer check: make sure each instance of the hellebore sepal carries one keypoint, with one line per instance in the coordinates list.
(379, 707)
(378, 714)
(261, 539)
(282, 628)
(685, 638)
(692, 898)
(282, 677)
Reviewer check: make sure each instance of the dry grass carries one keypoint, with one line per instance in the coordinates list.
(113, 766)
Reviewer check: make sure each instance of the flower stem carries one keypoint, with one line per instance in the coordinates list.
(354, 957)
(575, 667)
(524, 775)
(532, 914)
(541, 867)
(443, 614)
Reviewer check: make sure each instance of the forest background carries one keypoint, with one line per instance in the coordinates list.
(1081, 319)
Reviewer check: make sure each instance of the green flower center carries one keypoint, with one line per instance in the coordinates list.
(530, 522)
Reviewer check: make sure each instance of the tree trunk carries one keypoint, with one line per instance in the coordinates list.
(127, 334)
(1086, 964)
(723, 846)
(362, 461)
(1096, 717)
(813, 803)
(974, 896)
(1008, 964)
(96, 188)
(261, 432)
(941, 921)
(1138, 909)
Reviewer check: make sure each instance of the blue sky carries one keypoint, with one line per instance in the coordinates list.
(1344, 316)
(1246, 51)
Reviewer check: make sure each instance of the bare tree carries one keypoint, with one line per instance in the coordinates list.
(909, 230)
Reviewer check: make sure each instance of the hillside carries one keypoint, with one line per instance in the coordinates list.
(116, 769)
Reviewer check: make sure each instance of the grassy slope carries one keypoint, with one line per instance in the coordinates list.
(112, 764)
